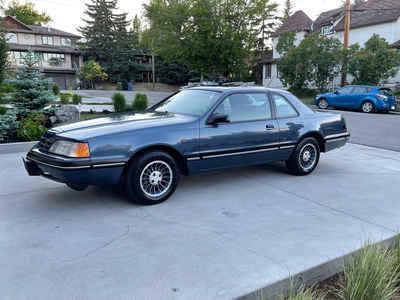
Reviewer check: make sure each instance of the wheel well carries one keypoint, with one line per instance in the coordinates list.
(318, 138)
(175, 154)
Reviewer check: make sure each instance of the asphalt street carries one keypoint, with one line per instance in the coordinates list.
(222, 235)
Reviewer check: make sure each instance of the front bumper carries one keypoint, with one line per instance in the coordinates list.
(80, 171)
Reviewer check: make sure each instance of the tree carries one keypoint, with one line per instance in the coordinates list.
(32, 88)
(209, 36)
(286, 41)
(4, 62)
(173, 72)
(325, 57)
(374, 63)
(287, 10)
(293, 67)
(92, 72)
(108, 41)
(26, 13)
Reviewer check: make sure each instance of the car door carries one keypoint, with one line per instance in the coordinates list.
(250, 137)
(344, 97)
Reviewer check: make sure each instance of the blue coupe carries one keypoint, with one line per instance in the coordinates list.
(194, 130)
(359, 97)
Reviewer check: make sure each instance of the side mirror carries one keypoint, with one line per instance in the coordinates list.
(219, 118)
(336, 92)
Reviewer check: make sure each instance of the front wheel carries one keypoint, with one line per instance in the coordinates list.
(367, 107)
(322, 103)
(304, 158)
(151, 178)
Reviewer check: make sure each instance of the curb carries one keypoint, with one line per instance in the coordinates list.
(309, 277)
(16, 147)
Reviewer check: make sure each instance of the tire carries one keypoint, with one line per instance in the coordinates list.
(367, 107)
(151, 178)
(322, 103)
(304, 158)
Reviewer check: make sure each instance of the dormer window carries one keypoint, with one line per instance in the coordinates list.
(326, 29)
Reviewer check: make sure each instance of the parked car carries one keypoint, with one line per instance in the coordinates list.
(359, 97)
(192, 131)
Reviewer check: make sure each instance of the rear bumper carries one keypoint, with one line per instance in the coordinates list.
(336, 141)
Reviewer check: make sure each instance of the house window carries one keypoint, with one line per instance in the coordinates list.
(278, 73)
(326, 29)
(268, 71)
(67, 42)
(47, 40)
(12, 38)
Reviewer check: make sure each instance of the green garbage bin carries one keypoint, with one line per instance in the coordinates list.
(119, 86)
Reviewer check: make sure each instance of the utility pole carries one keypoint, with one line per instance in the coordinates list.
(346, 38)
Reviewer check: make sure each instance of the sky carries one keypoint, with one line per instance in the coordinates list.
(68, 14)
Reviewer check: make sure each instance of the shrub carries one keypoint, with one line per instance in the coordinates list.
(8, 124)
(56, 89)
(369, 273)
(32, 127)
(3, 110)
(119, 102)
(76, 99)
(64, 98)
(140, 102)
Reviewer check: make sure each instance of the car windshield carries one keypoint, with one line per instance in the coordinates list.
(191, 102)
(387, 92)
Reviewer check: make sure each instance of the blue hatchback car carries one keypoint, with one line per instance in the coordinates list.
(359, 97)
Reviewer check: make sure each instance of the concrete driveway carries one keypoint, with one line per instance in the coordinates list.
(222, 235)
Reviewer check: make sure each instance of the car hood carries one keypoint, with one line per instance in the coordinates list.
(118, 123)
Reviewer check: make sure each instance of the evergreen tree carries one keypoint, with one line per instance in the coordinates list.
(4, 63)
(287, 10)
(108, 41)
(31, 87)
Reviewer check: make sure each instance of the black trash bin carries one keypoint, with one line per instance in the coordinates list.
(125, 86)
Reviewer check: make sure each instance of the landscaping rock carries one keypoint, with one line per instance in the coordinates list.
(67, 114)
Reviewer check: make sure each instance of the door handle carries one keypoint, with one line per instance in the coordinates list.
(270, 127)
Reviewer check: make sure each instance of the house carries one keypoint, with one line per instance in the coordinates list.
(57, 51)
(380, 17)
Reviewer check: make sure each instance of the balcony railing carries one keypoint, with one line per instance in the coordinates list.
(53, 64)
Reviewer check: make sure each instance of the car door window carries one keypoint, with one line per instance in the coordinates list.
(283, 108)
(359, 90)
(245, 107)
(344, 90)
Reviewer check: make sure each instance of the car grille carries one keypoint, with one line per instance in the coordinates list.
(46, 141)
(44, 144)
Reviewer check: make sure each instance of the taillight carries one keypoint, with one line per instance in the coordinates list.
(381, 97)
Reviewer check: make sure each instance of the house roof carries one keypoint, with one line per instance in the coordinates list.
(299, 21)
(396, 45)
(372, 12)
(327, 18)
(15, 26)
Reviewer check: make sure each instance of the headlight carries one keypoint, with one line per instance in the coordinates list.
(70, 149)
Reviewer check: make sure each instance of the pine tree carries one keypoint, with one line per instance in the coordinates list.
(32, 88)
(287, 10)
(4, 63)
(108, 41)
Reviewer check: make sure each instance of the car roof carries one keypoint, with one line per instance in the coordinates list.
(222, 89)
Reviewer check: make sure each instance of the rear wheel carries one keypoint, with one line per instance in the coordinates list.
(322, 103)
(367, 107)
(304, 158)
(151, 178)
